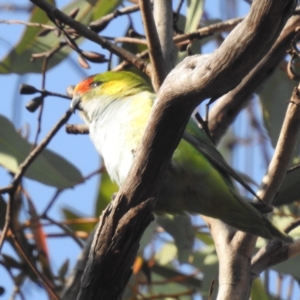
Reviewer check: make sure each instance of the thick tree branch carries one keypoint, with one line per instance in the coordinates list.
(227, 107)
(236, 280)
(116, 242)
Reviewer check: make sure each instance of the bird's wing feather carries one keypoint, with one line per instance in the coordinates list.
(196, 137)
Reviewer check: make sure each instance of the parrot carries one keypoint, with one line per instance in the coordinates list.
(117, 105)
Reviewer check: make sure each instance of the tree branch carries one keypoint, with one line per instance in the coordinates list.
(93, 36)
(233, 279)
(271, 254)
(155, 52)
(163, 17)
(227, 107)
(283, 152)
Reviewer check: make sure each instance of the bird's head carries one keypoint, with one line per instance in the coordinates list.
(98, 91)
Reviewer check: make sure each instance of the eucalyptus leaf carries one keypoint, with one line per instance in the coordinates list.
(166, 254)
(289, 190)
(192, 20)
(289, 267)
(181, 229)
(62, 272)
(206, 261)
(71, 214)
(48, 168)
(193, 16)
(167, 292)
(167, 272)
(258, 291)
(106, 191)
(274, 96)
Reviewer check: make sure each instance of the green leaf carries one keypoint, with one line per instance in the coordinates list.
(284, 215)
(290, 267)
(193, 16)
(258, 291)
(181, 229)
(166, 254)
(205, 237)
(192, 20)
(147, 235)
(71, 214)
(289, 190)
(206, 260)
(104, 7)
(11, 262)
(48, 168)
(167, 272)
(167, 291)
(62, 272)
(106, 191)
(274, 95)
(18, 59)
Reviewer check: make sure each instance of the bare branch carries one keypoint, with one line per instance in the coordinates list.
(271, 254)
(274, 252)
(77, 129)
(207, 30)
(283, 151)
(91, 35)
(155, 52)
(227, 107)
(100, 24)
(163, 17)
(22, 169)
(28, 24)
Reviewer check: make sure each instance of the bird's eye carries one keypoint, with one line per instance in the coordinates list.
(95, 84)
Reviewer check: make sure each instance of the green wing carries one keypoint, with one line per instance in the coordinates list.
(197, 137)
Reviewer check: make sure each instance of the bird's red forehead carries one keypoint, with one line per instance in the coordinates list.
(83, 86)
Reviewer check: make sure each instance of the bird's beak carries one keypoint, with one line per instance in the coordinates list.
(75, 102)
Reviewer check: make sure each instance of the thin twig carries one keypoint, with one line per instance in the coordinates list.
(179, 6)
(48, 285)
(156, 57)
(13, 279)
(91, 35)
(100, 24)
(68, 231)
(131, 40)
(51, 202)
(28, 24)
(283, 152)
(292, 226)
(208, 30)
(23, 167)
